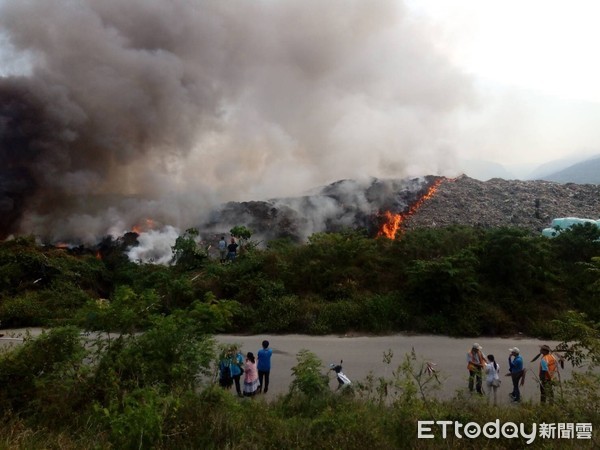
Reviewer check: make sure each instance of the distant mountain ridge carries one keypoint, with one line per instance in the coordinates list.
(577, 169)
(585, 172)
(484, 170)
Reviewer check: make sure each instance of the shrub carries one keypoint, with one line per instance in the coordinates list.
(341, 316)
(283, 314)
(385, 312)
(135, 420)
(30, 369)
(187, 255)
(127, 311)
(308, 377)
(24, 311)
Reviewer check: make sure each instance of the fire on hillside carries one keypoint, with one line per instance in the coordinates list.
(345, 204)
(392, 222)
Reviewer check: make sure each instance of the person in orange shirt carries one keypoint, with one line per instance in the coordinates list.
(475, 364)
(548, 374)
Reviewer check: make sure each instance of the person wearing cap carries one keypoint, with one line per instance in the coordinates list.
(548, 374)
(475, 363)
(516, 372)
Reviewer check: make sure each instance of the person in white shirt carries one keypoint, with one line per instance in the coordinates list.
(222, 249)
(492, 379)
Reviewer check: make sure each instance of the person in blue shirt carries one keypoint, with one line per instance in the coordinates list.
(237, 364)
(516, 372)
(264, 366)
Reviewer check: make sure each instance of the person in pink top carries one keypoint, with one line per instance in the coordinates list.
(251, 383)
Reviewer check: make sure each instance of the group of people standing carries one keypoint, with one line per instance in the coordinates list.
(227, 252)
(479, 365)
(256, 370)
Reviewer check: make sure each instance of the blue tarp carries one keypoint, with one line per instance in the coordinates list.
(563, 223)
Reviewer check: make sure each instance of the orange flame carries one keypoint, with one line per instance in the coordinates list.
(147, 225)
(391, 225)
(393, 222)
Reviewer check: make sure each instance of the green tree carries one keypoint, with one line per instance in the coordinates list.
(186, 253)
(581, 242)
(335, 265)
(594, 291)
(444, 293)
(243, 235)
(431, 243)
(241, 232)
(573, 252)
(31, 369)
(126, 312)
(513, 259)
(308, 377)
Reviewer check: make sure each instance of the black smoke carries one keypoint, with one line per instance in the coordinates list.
(124, 110)
(22, 130)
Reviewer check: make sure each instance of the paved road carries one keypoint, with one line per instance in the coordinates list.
(364, 354)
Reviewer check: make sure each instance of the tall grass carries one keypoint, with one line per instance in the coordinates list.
(378, 413)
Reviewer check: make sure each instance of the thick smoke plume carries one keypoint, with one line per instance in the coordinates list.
(116, 111)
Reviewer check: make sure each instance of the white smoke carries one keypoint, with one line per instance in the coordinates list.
(155, 246)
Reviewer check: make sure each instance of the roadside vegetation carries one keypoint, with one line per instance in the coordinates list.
(454, 281)
(129, 360)
(155, 390)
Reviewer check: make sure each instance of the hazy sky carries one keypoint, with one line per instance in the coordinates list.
(534, 65)
(187, 103)
(543, 45)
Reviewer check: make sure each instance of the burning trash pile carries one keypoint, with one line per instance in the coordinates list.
(375, 205)
(370, 205)
(392, 222)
